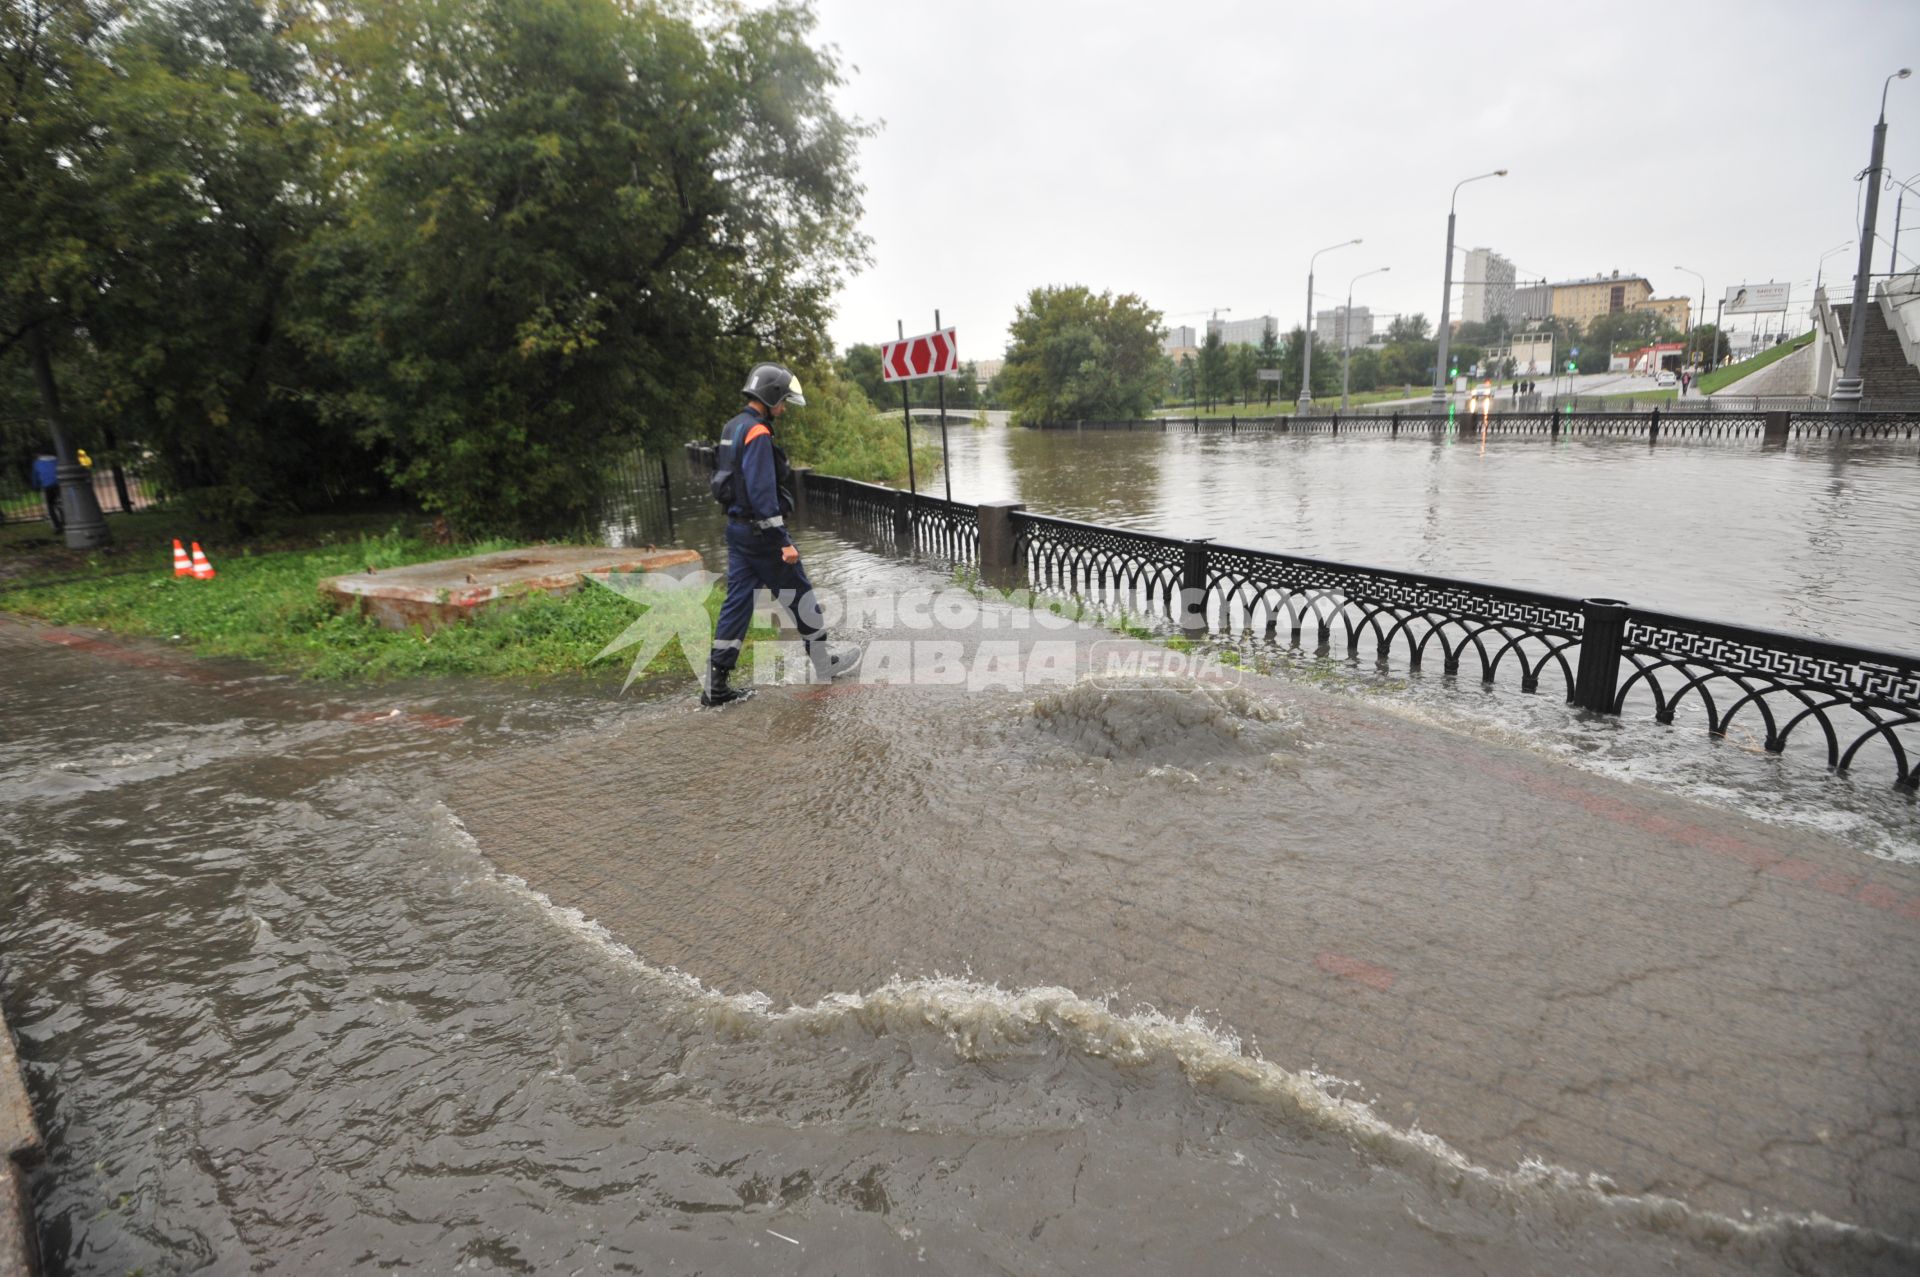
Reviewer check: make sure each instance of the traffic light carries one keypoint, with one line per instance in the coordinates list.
(1572, 366)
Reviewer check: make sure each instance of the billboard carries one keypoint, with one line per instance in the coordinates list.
(1751, 299)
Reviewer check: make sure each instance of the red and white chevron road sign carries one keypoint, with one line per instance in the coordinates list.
(928, 355)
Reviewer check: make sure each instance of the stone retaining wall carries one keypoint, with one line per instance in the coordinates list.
(19, 1144)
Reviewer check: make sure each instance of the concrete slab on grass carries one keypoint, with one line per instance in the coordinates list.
(453, 590)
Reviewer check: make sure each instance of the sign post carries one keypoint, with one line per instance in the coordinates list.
(946, 470)
(906, 407)
(931, 354)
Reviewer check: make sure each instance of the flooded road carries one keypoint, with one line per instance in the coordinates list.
(545, 979)
(1815, 538)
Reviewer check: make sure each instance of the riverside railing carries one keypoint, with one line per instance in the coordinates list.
(1660, 423)
(1606, 655)
(20, 504)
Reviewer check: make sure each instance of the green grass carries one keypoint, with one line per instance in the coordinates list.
(142, 541)
(1647, 396)
(1329, 404)
(266, 607)
(1720, 377)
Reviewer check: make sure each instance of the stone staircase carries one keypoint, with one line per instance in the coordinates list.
(1883, 363)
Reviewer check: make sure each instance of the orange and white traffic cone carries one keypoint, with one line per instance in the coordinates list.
(180, 565)
(202, 570)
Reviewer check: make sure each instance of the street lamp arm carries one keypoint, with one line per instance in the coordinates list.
(1452, 199)
(1345, 243)
(1901, 74)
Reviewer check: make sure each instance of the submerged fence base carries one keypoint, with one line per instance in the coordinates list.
(1605, 654)
(1681, 422)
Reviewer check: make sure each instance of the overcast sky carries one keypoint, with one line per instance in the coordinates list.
(1198, 152)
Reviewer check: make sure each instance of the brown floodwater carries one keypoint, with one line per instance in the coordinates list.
(1325, 972)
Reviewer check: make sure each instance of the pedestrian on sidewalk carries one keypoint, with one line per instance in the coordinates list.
(46, 481)
(749, 474)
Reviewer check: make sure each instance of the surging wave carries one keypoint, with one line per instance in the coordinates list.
(1163, 721)
(977, 1023)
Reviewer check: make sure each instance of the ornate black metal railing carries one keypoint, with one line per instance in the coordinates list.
(899, 519)
(1605, 655)
(1783, 683)
(1661, 423)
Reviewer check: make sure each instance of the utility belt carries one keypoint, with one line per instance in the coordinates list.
(763, 525)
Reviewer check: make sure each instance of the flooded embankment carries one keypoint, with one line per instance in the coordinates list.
(1064, 980)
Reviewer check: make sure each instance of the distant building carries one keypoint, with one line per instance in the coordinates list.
(1532, 303)
(1489, 287)
(985, 370)
(1326, 326)
(1243, 332)
(1581, 300)
(1531, 355)
(1662, 356)
(1181, 338)
(1677, 311)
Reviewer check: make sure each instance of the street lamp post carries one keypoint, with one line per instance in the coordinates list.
(1821, 265)
(86, 527)
(1849, 388)
(1899, 205)
(1306, 357)
(1703, 305)
(1446, 287)
(1819, 268)
(1346, 332)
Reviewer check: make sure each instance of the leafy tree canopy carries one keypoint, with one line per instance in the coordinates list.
(1077, 355)
(478, 245)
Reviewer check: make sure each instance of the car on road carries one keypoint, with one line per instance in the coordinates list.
(1480, 399)
(1665, 377)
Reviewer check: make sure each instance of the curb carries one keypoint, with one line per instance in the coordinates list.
(19, 1145)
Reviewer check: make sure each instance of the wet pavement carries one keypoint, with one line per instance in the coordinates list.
(849, 980)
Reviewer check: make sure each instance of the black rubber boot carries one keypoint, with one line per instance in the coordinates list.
(716, 692)
(830, 663)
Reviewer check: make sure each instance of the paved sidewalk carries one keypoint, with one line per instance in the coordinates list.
(1525, 959)
(1522, 958)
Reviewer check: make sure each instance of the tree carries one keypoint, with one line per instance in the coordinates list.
(1624, 330)
(1364, 373)
(1712, 345)
(1211, 369)
(1408, 330)
(1187, 381)
(1080, 355)
(861, 365)
(1494, 331)
(575, 223)
(1326, 367)
(1269, 358)
(157, 171)
(1245, 372)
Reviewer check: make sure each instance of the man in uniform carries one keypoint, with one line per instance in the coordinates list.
(748, 470)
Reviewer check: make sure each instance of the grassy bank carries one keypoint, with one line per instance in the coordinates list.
(1321, 407)
(266, 607)
(1720, 378)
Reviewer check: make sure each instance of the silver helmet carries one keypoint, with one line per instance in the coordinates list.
(773, 385)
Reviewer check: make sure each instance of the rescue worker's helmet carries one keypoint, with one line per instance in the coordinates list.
(773, 385)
